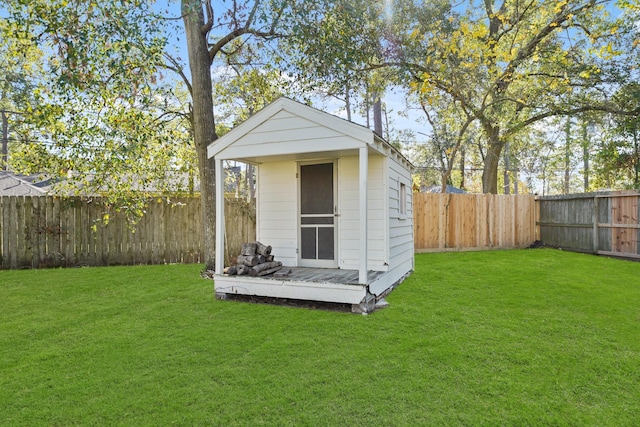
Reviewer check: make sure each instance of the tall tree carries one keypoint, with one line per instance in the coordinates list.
(449, 134)
(108, 103)
(21, 65)
(208, 36)
(618, 157)
(331, 51)
(527, 61)
(508, 64)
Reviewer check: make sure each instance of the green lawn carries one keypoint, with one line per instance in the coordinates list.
(517, 338)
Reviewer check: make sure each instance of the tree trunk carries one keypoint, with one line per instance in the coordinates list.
(463, 154)
(347, 100)
(507, 167)
(585, 154)
(250, 183)
(202, 119)
(5, 142)
(567, 157)
(490, 170)
(636, 160)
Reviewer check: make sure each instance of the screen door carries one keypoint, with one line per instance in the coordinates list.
(317, 215)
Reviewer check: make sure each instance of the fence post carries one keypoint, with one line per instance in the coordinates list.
(595, 224)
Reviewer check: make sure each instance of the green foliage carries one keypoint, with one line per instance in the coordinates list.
(524, 64)
(507, 66)
(20, 66)
(619, 151)
(241, 92)
(117, 104)
(105, 120)
(529, 337)
(331, 50)
(21, 70)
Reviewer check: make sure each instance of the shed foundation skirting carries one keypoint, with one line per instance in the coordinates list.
(382, 285)
(290, 289)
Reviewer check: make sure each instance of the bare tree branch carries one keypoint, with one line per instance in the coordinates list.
(209, 24)
(604, 108)
(217, 47)
(176, 68)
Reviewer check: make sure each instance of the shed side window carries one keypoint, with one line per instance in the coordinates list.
(403, 200)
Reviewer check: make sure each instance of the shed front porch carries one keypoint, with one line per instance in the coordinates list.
(330, 285)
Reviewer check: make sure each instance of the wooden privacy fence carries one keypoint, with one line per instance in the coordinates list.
(603, 223)
(46, 231)
(473, 221)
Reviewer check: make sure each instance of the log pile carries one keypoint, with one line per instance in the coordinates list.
(255, 259)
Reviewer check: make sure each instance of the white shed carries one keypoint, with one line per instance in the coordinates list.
(333, 199)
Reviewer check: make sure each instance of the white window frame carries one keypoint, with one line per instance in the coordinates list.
(402, 200)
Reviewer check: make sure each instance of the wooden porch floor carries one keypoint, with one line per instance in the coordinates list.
(324, 275)
(308, 284)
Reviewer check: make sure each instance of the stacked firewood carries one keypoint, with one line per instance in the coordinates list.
(255, 259)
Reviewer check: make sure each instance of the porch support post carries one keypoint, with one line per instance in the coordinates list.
(363, 173)
(219, 216)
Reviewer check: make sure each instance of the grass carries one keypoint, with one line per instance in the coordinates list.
(530, 337)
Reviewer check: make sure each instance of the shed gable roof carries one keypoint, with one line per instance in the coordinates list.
(287, 127)
(309, 120)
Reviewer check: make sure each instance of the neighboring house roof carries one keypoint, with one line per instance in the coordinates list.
(13, 184)
(253, 135)
(172, 182)
(437, 189)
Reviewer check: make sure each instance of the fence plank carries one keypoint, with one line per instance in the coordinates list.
(20, 254)
(2, 226)
(182, 223)
(81, 233)
(56, 225)
(123, 258)
(28, 233)
(49, 230)
(198, 226)
(12, 239)
(40, 217)
(93, 215)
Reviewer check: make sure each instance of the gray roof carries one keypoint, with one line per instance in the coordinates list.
(13, 184)
(437, 189)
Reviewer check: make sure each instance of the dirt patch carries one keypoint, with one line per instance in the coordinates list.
(540, 244)
(315, 305)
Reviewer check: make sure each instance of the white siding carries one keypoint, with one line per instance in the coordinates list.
(277, 210)
(348, 202)
(400, 226)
